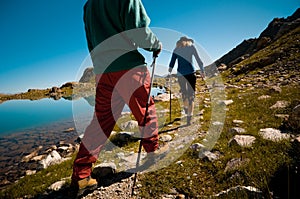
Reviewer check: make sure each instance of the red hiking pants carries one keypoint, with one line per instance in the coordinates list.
(113, 91)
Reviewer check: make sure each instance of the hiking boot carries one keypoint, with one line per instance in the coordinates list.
(84, 185)
(157, 155)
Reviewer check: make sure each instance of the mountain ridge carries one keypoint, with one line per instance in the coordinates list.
(275, 29)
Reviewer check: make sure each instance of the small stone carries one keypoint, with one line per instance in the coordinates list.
(237, 130)
(280, 104)
(263, 97)
(197, 146)
(236, 163)
(30, 172)
(226, 102)
(69, 130)
(129, 126)
(166, 138)
(275, 89)
(180, 196)
(242, 140)
(209, 155)
(57, 185)
(237, 122)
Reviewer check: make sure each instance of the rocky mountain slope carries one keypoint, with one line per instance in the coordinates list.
(276, 29)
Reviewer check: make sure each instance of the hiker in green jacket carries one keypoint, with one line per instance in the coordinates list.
(115, 29)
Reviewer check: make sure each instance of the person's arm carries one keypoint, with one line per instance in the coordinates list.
(200, 63)
(137, 20)
(172, 62)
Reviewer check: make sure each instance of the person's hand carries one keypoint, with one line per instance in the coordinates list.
(157, 51)
(203, 75)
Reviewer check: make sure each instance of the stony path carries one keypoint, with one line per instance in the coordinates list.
(120, 185)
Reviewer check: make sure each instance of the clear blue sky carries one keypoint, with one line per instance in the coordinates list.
(43, 42)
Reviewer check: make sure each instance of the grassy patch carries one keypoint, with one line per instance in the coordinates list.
(33, 185)
(197, 178)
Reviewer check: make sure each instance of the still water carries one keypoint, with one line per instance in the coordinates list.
(19, 115)
(22, 115)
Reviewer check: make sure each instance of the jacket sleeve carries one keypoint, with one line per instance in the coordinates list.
(200, 63)
(172, 62)
(137, 21)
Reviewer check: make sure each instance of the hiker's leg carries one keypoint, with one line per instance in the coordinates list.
(191, 86)
(183, 84)
(99, 129)
(134, 87)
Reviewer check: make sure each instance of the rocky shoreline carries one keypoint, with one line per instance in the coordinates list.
(27, 152)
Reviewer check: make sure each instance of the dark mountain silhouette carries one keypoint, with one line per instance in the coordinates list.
(275, 30)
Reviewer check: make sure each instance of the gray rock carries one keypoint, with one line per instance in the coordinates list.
(238, 122)
(57, 185)
(242, 140)
(103, 170)
(197, 146)
(130, 125)
(237, 130)
(226, 102)
(263, 97)
(275, 89)
(166, 138)
(30, 172)
(165, 97)
(207, 155)
(236, 163)
(238, 188)
(51, 159)
(280, 104)
(35, 153)
(273, 134)
(124, 136)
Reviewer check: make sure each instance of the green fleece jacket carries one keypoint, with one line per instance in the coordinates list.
(115, 29)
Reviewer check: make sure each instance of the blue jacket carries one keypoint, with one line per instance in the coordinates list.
(184, 55)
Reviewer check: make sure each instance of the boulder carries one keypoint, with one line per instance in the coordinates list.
(242, 140)
(273, 134)
(103, 170)
(130, 125)
(124, 136)
(51, 159)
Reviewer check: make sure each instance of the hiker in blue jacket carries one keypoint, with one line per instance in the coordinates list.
(186, 72)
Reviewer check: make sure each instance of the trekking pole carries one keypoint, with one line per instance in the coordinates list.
(170, 81)
(143, 130)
